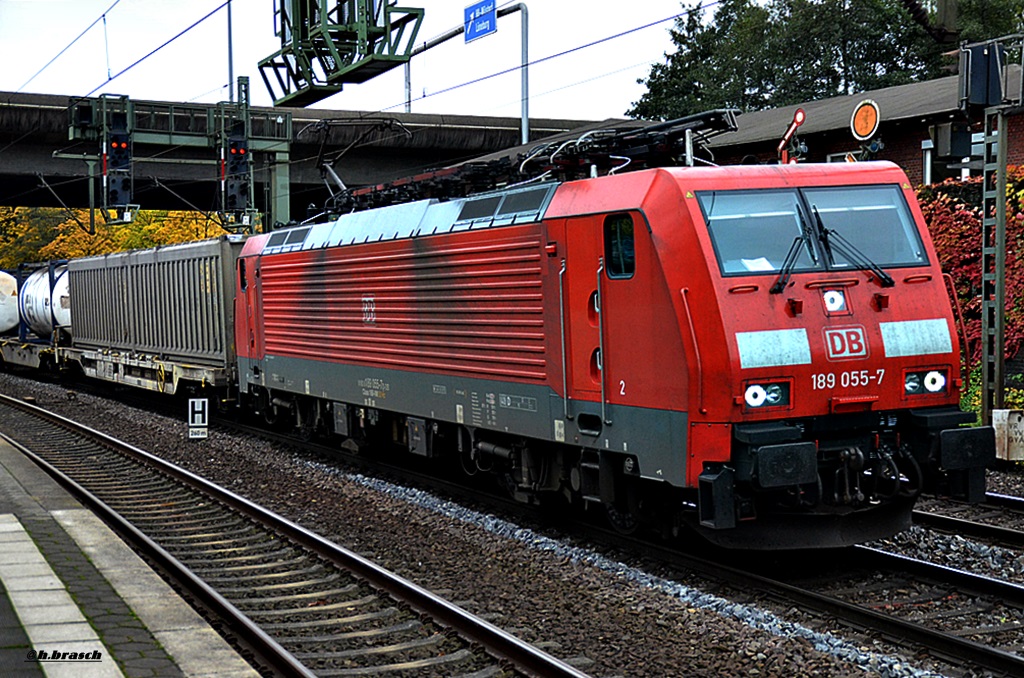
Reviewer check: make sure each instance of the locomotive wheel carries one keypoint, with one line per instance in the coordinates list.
(270, 415)
(624, 522)
(306, 419)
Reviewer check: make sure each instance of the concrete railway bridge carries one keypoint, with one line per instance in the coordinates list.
(46, 151)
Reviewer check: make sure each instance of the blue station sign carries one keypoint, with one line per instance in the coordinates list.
(481, 19)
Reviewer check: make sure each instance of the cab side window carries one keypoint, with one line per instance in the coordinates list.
(619, 248)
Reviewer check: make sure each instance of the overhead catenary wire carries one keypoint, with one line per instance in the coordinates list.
(157, 49)
(110, 78)
(570, 85)
(534, 62)
(102, 17)
(365, 114)
(208, 92)
(673, 17)
(214, 11)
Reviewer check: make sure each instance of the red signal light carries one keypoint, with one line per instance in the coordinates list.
(799, 117)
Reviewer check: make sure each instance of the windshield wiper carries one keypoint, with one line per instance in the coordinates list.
(823, 234)
(805, 233)
(794, 253)
(787, 266)
(830, 237)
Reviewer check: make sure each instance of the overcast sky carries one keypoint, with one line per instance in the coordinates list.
(592, 83)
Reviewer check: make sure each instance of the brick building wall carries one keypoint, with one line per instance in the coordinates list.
(903, 147)
(1015, 132)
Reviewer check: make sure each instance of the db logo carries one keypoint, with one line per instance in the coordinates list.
(843, 343)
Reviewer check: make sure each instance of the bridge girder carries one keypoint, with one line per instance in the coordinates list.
(175, 176)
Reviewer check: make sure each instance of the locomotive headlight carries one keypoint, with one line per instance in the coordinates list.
(935, 381)
(925, 383)
(755, 395)
(835, 301)
(766, 395)
(912, 383)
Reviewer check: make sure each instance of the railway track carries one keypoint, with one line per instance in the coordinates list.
(298, 603)
(996, 519)
(914, 604)
(956, 616)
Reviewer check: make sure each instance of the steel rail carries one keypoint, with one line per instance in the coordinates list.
(500, 644)
(966, 526)
(267, 650)
(940, 644)
(974, 583)
(971, 528)
(1005, 501)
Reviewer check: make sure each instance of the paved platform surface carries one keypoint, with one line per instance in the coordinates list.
(76, 602)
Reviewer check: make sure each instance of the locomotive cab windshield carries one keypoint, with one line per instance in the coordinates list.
(753, 231)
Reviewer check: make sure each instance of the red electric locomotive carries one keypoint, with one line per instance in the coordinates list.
(764, 352)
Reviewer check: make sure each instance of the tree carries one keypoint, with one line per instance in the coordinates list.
(707, 70)
(25, 232)
(754, 54)
(29, 235)
(988, 19)
(835, 47)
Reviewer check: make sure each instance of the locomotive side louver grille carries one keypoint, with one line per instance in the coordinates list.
(470, 307)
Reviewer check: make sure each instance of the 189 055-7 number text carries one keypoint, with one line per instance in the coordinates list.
(849, 379)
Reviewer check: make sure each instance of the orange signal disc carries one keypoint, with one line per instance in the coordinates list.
(864, 122)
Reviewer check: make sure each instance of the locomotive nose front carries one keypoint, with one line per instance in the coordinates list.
(843, 363)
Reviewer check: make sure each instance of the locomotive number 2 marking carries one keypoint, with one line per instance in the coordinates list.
(622, 388)
(369, 309)
(849, 379)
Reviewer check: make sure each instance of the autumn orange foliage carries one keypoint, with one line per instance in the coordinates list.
(39, 234)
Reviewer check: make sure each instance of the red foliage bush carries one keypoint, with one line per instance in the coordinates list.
(952, 211)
